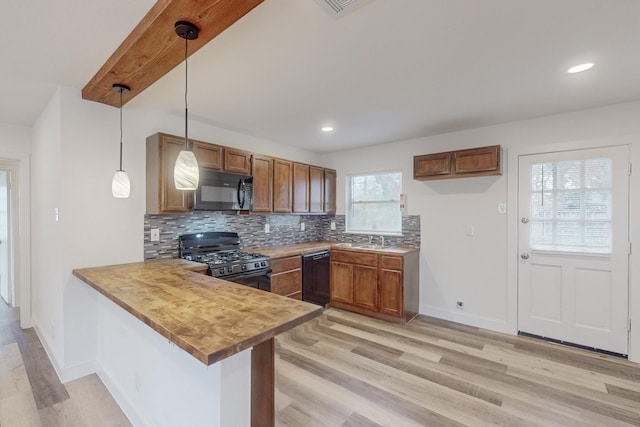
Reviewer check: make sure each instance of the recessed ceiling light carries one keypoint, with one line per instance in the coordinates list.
(580, 68)
(327, 129)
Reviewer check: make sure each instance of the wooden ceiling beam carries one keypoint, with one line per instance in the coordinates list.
(153, 48)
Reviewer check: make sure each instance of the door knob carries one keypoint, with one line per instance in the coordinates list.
(524, 255)
(524, 220)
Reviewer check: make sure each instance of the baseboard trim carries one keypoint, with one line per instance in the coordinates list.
(497, 325)
(67, 373)
(121, 399)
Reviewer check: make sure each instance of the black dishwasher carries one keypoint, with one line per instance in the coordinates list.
(315, 277)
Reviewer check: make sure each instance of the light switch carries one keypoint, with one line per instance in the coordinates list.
(502, 208)
(471, 230)
(267, 228)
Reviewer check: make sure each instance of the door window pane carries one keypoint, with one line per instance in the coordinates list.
(571, 206)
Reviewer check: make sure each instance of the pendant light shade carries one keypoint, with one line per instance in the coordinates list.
(186, 173)
(120, 185)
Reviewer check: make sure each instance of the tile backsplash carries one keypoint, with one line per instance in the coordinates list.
(284, 230)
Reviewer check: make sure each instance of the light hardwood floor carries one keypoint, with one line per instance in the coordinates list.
(31, 394)
(343, 369)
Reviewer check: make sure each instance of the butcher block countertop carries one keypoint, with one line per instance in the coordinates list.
(209, 318)
(275, 252)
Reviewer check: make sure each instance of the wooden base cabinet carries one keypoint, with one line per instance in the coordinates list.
(375, 284)
(286, 277)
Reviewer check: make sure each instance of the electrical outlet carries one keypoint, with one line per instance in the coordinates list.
(155, 234)
(333, 225)
(459, 305)
(471, 230)
(267, 228)
(302, 226)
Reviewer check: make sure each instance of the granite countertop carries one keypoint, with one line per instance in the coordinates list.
(209, 318)
(275, 252)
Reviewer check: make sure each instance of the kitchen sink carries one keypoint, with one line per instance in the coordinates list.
(344, 245)
(369, 246)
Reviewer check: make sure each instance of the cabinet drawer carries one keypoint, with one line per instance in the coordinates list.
(354, 258)
(286, 283)
(285, 264)
(391, 262)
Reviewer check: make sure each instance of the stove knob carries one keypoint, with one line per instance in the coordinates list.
(221, 271)
(229, 269)
(244, 267)
(256, 265)
(263, 264)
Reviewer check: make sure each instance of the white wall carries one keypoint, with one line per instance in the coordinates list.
(456, 267)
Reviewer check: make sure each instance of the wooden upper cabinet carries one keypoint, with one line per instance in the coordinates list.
(432, 165)
(316, 189)
(482, 161)
(300, 188)
(330, 191)
(282, 185)
(237, 161)
(162, 196)
(262, 171)
(209, 155)
(478, 161)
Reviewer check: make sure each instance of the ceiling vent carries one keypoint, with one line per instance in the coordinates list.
(339, 8)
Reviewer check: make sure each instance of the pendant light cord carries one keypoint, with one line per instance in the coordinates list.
(186, 83)
(120, 90)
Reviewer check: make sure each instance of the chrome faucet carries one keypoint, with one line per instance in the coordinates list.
(381, 240)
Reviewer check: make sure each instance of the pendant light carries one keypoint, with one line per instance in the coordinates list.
(186, 173)
(120, 185)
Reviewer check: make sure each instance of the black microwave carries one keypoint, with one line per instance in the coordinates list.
(223, 191)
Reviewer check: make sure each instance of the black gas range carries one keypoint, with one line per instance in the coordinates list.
(221, 252)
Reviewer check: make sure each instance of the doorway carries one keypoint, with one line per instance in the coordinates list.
(6, 279)
(573, 245)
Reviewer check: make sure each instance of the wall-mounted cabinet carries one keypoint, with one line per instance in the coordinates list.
(162, 196)
(282, 186)
(300, 188)
(208, 155)
(237, 161)
(329, 191)
(316, 189)
(482, 161)
(262, 171)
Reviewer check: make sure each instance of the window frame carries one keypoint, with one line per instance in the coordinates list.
(349, 203)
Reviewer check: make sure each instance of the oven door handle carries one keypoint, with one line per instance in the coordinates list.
(248, 275)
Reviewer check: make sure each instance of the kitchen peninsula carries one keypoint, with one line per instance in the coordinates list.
(208, 318)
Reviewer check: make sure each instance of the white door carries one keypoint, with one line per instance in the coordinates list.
(573, 273)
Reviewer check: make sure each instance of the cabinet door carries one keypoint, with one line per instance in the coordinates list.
(237, 161)
(300, 187)
(341, 286)
(391, 287)
(208, 155)
(330, 191)
(282, 183)
(262, 171)
(316, 189)
(474, 161)
(172, 200)
(365, 287)
(432, 165)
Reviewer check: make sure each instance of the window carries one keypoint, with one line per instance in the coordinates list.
(373, 203)
(571, 206)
